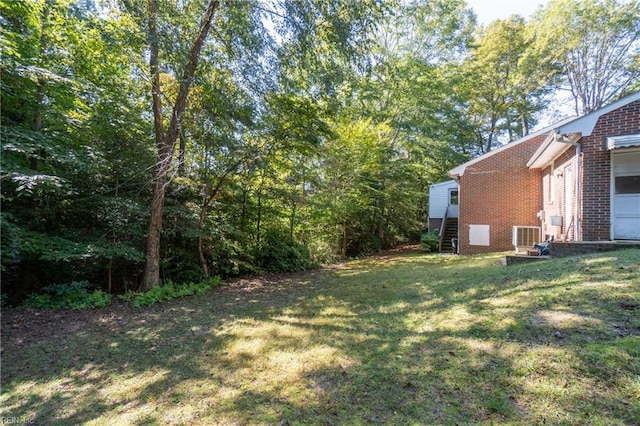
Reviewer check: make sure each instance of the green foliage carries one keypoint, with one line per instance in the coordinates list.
(310, 146)
(369, 192)
(504, 86)
(8, 238)
(77, 151)
(429, 242)
(73, 295)
(595, 45)
(278, 252)
(128, 296)
(170, 291)
(232, 257)
(76, 295)
(4, 300)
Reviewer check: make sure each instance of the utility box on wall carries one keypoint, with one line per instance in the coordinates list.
(556, 220)
(479, 235)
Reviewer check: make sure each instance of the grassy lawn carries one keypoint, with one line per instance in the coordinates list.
(399, 339)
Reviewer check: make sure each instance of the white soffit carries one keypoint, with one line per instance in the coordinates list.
(550, 152)
(554, 145)
(623, 141)
(582, 126)
(550, 147)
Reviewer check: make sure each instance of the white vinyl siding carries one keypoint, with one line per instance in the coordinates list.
(439, 198)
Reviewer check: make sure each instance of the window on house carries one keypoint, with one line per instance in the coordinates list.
(453, 197)
(627, 184)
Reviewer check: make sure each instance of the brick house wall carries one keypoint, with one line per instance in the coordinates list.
(497, 193)
(596, 170)
(508, 187)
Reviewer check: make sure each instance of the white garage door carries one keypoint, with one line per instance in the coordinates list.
(625, 213)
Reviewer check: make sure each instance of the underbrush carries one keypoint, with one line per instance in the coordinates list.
(169, 291)
(76, 295)
(279, 252)
(73, 295)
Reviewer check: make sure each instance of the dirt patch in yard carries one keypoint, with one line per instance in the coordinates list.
(23, 327)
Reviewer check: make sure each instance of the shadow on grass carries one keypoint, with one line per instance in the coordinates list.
(406, 339)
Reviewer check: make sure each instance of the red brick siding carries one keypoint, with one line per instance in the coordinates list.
(596, 170)
(500, 191)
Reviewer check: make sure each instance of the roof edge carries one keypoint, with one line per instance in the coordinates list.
(578, 126)
(446, 182)
(586, 123)
(583, 125)
(458, 171)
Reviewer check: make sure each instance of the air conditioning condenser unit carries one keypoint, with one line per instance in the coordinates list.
(524, 237)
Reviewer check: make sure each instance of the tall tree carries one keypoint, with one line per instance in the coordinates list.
(596, 45)
(504, 90)
(312, 30)
(166, 137)
(411, 86)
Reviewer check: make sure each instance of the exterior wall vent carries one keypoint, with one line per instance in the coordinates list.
(524, 237)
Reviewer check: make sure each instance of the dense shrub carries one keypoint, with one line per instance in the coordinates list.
(364, 244)
(230, 256)
(430, 241)
(278, 252)
(73, 295)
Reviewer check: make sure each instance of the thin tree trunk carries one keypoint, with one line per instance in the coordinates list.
(259, 215)
(109, 275)
(343, 244)
(181, 151)
(525, 118)
(292, 218)
(113, 240)
(243, 214)
(165, 142)
(203, 260)
(152, 270)
(37, 120)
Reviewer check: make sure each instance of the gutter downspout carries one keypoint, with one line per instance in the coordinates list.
(576, 221)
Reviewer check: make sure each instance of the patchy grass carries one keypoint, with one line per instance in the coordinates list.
(403, 339)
